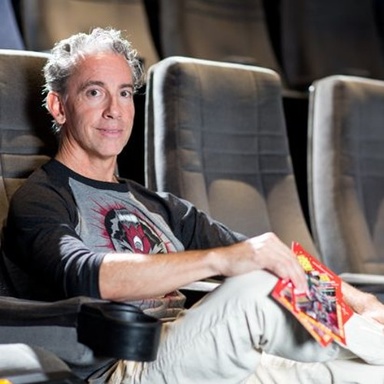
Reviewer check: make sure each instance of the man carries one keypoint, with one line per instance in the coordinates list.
(74, 228)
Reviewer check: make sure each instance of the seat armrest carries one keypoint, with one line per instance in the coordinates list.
(71, 329)
(23, 312)
(52, 326)
(197, 290)
(363, 279)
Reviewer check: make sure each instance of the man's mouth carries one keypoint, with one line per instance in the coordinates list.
(110, 131)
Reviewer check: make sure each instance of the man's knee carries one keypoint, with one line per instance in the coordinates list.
(253, 286)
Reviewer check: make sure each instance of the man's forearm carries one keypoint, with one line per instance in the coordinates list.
(361, 302)
(125, 277)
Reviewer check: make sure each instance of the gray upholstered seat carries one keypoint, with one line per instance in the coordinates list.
(26, 142)
(216, 135)
(238, 32)
(46, 21)
(223, 30)
(10, 36)
(346, 172)
(325, 37)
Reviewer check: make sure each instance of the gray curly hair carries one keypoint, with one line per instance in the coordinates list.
(66, 54)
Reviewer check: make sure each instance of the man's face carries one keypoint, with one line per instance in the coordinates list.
(98, 109)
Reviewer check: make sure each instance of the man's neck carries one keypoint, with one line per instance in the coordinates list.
(96, 169)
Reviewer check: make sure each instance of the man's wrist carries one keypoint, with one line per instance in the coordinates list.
(358, 300)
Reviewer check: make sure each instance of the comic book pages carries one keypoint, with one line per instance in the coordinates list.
(322, 310)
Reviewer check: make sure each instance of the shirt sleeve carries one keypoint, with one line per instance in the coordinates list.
(197, 229)
(42, 247)
(193, 227)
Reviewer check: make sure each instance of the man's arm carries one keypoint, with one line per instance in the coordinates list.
(363, 303)
(131, 276)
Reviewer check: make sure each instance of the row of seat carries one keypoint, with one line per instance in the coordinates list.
(232, 134)
(224, 146)
(36, 338)
(302, 40)
(227, 150)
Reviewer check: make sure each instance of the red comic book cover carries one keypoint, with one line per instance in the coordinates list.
(322, 310)
(283, 293)
(325, 303)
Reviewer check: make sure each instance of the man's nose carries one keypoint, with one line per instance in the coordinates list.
(112, 109)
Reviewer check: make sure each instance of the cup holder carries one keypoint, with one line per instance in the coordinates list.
(119, 330)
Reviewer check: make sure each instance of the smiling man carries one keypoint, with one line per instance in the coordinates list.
(75, 228)
(97, 115)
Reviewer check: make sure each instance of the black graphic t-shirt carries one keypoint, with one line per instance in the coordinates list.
(114, 221)
(61, 225)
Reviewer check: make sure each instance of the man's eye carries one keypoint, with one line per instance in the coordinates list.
(93, 92)
(127, 94)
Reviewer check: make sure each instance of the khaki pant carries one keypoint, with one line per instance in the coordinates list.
(239, 334)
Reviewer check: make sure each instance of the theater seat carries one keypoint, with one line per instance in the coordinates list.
(320, 38)
(10, 36)
(216, 135)
(77, 330)
(346, 175)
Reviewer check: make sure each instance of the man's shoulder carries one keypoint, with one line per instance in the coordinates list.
(40, 183)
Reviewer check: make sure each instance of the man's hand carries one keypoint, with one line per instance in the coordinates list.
(363, 303)
(267, 252)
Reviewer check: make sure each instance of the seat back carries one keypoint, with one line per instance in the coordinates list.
(46, 21)
(26, 140)
(215, 135)
(236, 31)
(320, 38)
(68, 327)
(346, 172)
(226, 30)
(10, 36)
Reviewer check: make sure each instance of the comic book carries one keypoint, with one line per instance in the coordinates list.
(322, 310)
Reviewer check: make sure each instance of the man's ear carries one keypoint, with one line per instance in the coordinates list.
(55, 107)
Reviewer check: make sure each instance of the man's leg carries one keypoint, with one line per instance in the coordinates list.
(276, 370)
(220, 339)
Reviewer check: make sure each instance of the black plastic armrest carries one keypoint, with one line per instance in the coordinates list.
(197, 290)
(78, 329)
